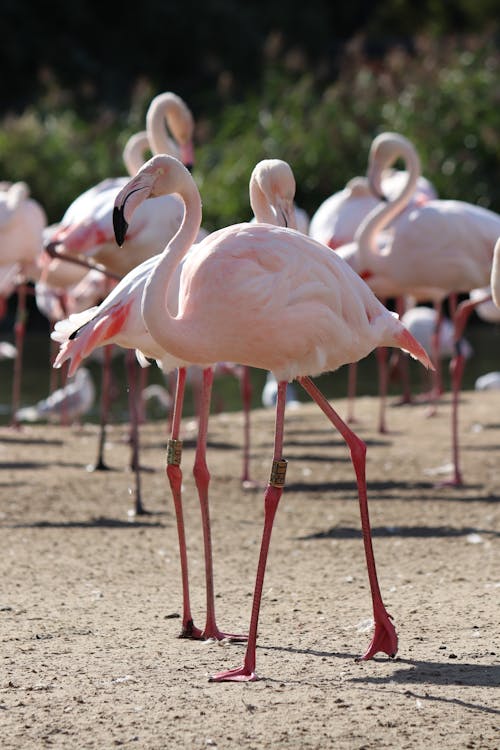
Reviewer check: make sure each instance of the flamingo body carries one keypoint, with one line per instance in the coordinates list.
(277, 280)
(336, 220)
(117, 320)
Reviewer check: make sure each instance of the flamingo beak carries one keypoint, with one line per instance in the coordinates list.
(120, 225)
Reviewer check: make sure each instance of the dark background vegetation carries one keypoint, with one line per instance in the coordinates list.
(309, 82)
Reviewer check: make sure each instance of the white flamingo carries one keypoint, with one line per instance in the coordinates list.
(275, 280)
(119, 320)
(434, 250)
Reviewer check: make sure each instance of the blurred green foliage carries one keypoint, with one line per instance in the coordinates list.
(442, 94)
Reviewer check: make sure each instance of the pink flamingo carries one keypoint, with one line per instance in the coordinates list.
(22, 221)
(437, 249)
(275, 281)
(86, 230)
(337, 219)
(119, 320)
(336, 222)
(87, 227)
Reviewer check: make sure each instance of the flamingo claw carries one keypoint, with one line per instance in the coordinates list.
(384, 639)
(240, 674)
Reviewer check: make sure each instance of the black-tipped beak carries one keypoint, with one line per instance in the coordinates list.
(120, 226)
(51, 248)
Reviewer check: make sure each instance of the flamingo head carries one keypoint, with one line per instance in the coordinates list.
(160, 175)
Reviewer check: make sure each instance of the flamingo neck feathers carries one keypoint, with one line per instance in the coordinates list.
(381, 216)
(163, 110)
(261, 206)
(133, 153)
(166, 329)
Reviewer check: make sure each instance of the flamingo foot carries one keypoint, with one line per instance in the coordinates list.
(384, 639)
(455, 481)
(210, 633)
(189, 630)
(240, 674)
(216, 634)
(139, 510)
(99, 466)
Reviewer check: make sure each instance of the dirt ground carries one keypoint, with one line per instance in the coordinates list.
(90, 598)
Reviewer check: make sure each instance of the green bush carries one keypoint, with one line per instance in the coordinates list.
(444, 97)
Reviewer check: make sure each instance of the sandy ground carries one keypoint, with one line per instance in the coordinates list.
(90, 598)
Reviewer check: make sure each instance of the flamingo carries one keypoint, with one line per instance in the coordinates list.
(22, 221)
(335, 224)
(437, 249)
(336, 220)
(274, 281)
(118, 319)
(87, 227)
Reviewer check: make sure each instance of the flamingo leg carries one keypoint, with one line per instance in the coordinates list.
(351, 391)
(381, 354)
(132, 366)
(19, 332)
(385, 637)
(402, 362)
(246, 673)
(100, 464)
(461, 315)
(436, 356)
(246, 398)
(202, 479)
(174, 474)
(457, 366)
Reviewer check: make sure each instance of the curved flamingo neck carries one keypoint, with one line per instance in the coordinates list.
(166, 114)
(260, 204)
(272, 189)
(133, 153)
(162, 326)
(384, 213)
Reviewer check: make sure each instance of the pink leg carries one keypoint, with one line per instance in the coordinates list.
(457, 365)
(100, 464)
(402, 362)
(246, 672)
(246, 398)
(351, 391)
(132, 367)
(174, 474)
(381, 354)
(202, 479)
(436, 335)
(385, 637)
(19, 332)
(437, 388)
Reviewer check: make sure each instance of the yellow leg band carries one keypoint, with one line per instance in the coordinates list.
(174, 452)
(278, 473)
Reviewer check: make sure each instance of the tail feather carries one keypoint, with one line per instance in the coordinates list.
(83, 332)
